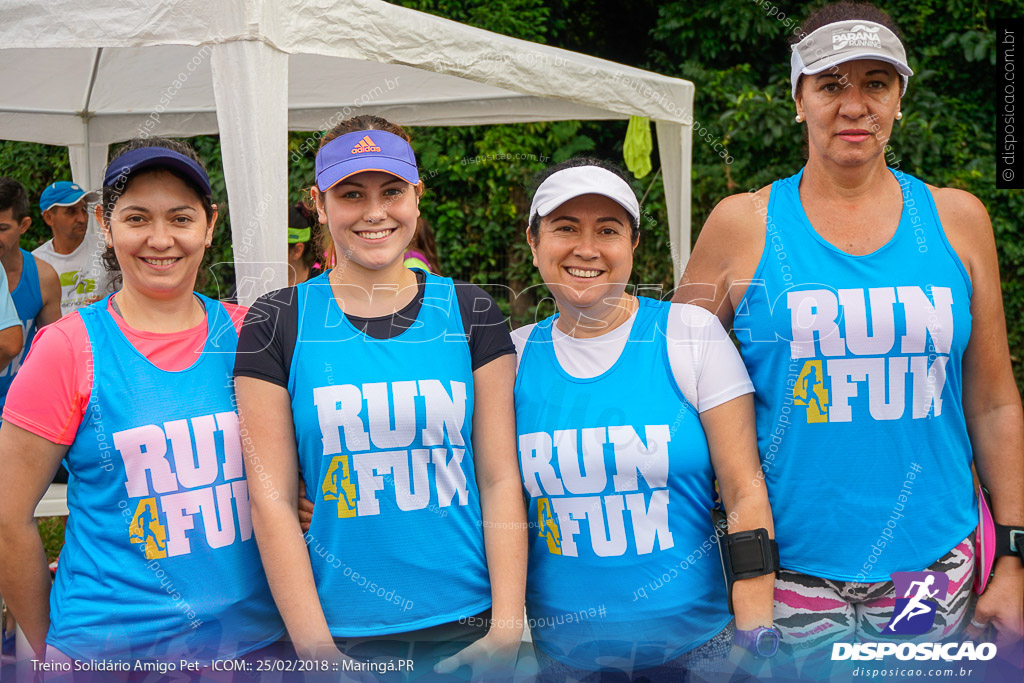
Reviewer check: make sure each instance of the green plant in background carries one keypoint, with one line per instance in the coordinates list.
(946, 136)
(51, 531)
(737, 54)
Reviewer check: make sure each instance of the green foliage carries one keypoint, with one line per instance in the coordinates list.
(946, 136)
(51, 531)
(35, 167)
(737, 54)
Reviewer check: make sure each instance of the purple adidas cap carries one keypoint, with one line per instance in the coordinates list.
(365, 150)
(155, 157)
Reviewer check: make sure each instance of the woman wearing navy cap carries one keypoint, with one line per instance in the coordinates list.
(392, 393)
(134, 393)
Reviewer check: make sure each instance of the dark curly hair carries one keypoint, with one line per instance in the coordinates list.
(577, 162)
(112, 193)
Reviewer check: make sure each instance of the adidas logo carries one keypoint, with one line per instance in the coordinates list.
(365, 145)
(858, 36)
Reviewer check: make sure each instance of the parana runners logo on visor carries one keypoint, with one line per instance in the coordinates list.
(859, 36)
(914, 612)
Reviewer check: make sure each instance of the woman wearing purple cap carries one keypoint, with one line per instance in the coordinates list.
(390, 391)
(868, 309)
(134, 394)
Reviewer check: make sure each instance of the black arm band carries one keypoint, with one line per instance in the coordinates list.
(1009, 541)
(744, 554)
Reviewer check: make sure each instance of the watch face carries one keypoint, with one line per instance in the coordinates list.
(767, 642)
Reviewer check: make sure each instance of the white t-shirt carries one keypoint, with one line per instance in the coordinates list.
(704, 361)
(82, 274)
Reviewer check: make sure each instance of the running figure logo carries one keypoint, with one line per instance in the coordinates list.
(548, 526)
(810, 391)
(338, 486)
(147, 529)
(914, 612)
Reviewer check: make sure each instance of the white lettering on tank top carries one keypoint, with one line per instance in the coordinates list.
(370, 434)
(171, 472)
(848, 341)
(637, 500)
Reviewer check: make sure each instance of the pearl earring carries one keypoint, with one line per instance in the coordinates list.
(799, 118)
(899, 115)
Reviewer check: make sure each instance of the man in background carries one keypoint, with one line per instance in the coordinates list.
(32, 283)
(76, 251)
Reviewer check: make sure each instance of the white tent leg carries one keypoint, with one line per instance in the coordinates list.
(674, 148)
(250, 85)
(87, 164)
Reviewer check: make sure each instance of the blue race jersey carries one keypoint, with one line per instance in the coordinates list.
(857, 366)
(28, 300)
(623, 564)
(384, 432)
(159, 561)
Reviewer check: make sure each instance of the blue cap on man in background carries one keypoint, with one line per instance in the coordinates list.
(64, 193)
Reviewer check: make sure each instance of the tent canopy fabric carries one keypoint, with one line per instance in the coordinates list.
(87, 75)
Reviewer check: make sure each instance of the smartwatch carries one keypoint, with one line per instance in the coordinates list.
(762, 642)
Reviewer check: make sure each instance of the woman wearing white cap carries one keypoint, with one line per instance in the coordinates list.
(627, 410)
(873, 331)
(391, 390)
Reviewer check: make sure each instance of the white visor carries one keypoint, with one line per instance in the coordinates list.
(570, 183)
(845, 41)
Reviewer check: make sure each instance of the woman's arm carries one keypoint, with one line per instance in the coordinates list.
(992, 406)
(726, 255)
(730, 431)
(268, 441)
(49, 288)
(27, 465)
(503, 510)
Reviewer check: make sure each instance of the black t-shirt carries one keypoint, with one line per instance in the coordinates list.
(267, 339)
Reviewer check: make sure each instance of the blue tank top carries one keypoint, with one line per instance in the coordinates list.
(384, 435)
(28, 300)
(159, 560)
(616, 467)
(856, 364)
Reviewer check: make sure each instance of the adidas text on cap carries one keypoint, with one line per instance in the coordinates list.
(365, 150)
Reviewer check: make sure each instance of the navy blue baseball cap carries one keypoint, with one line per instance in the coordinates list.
(64, 193)
(155, 157)
(365, 150)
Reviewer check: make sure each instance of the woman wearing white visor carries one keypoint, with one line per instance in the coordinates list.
(873, 331)
(627, 410)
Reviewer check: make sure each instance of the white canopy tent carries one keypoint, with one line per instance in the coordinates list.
(87, 75)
